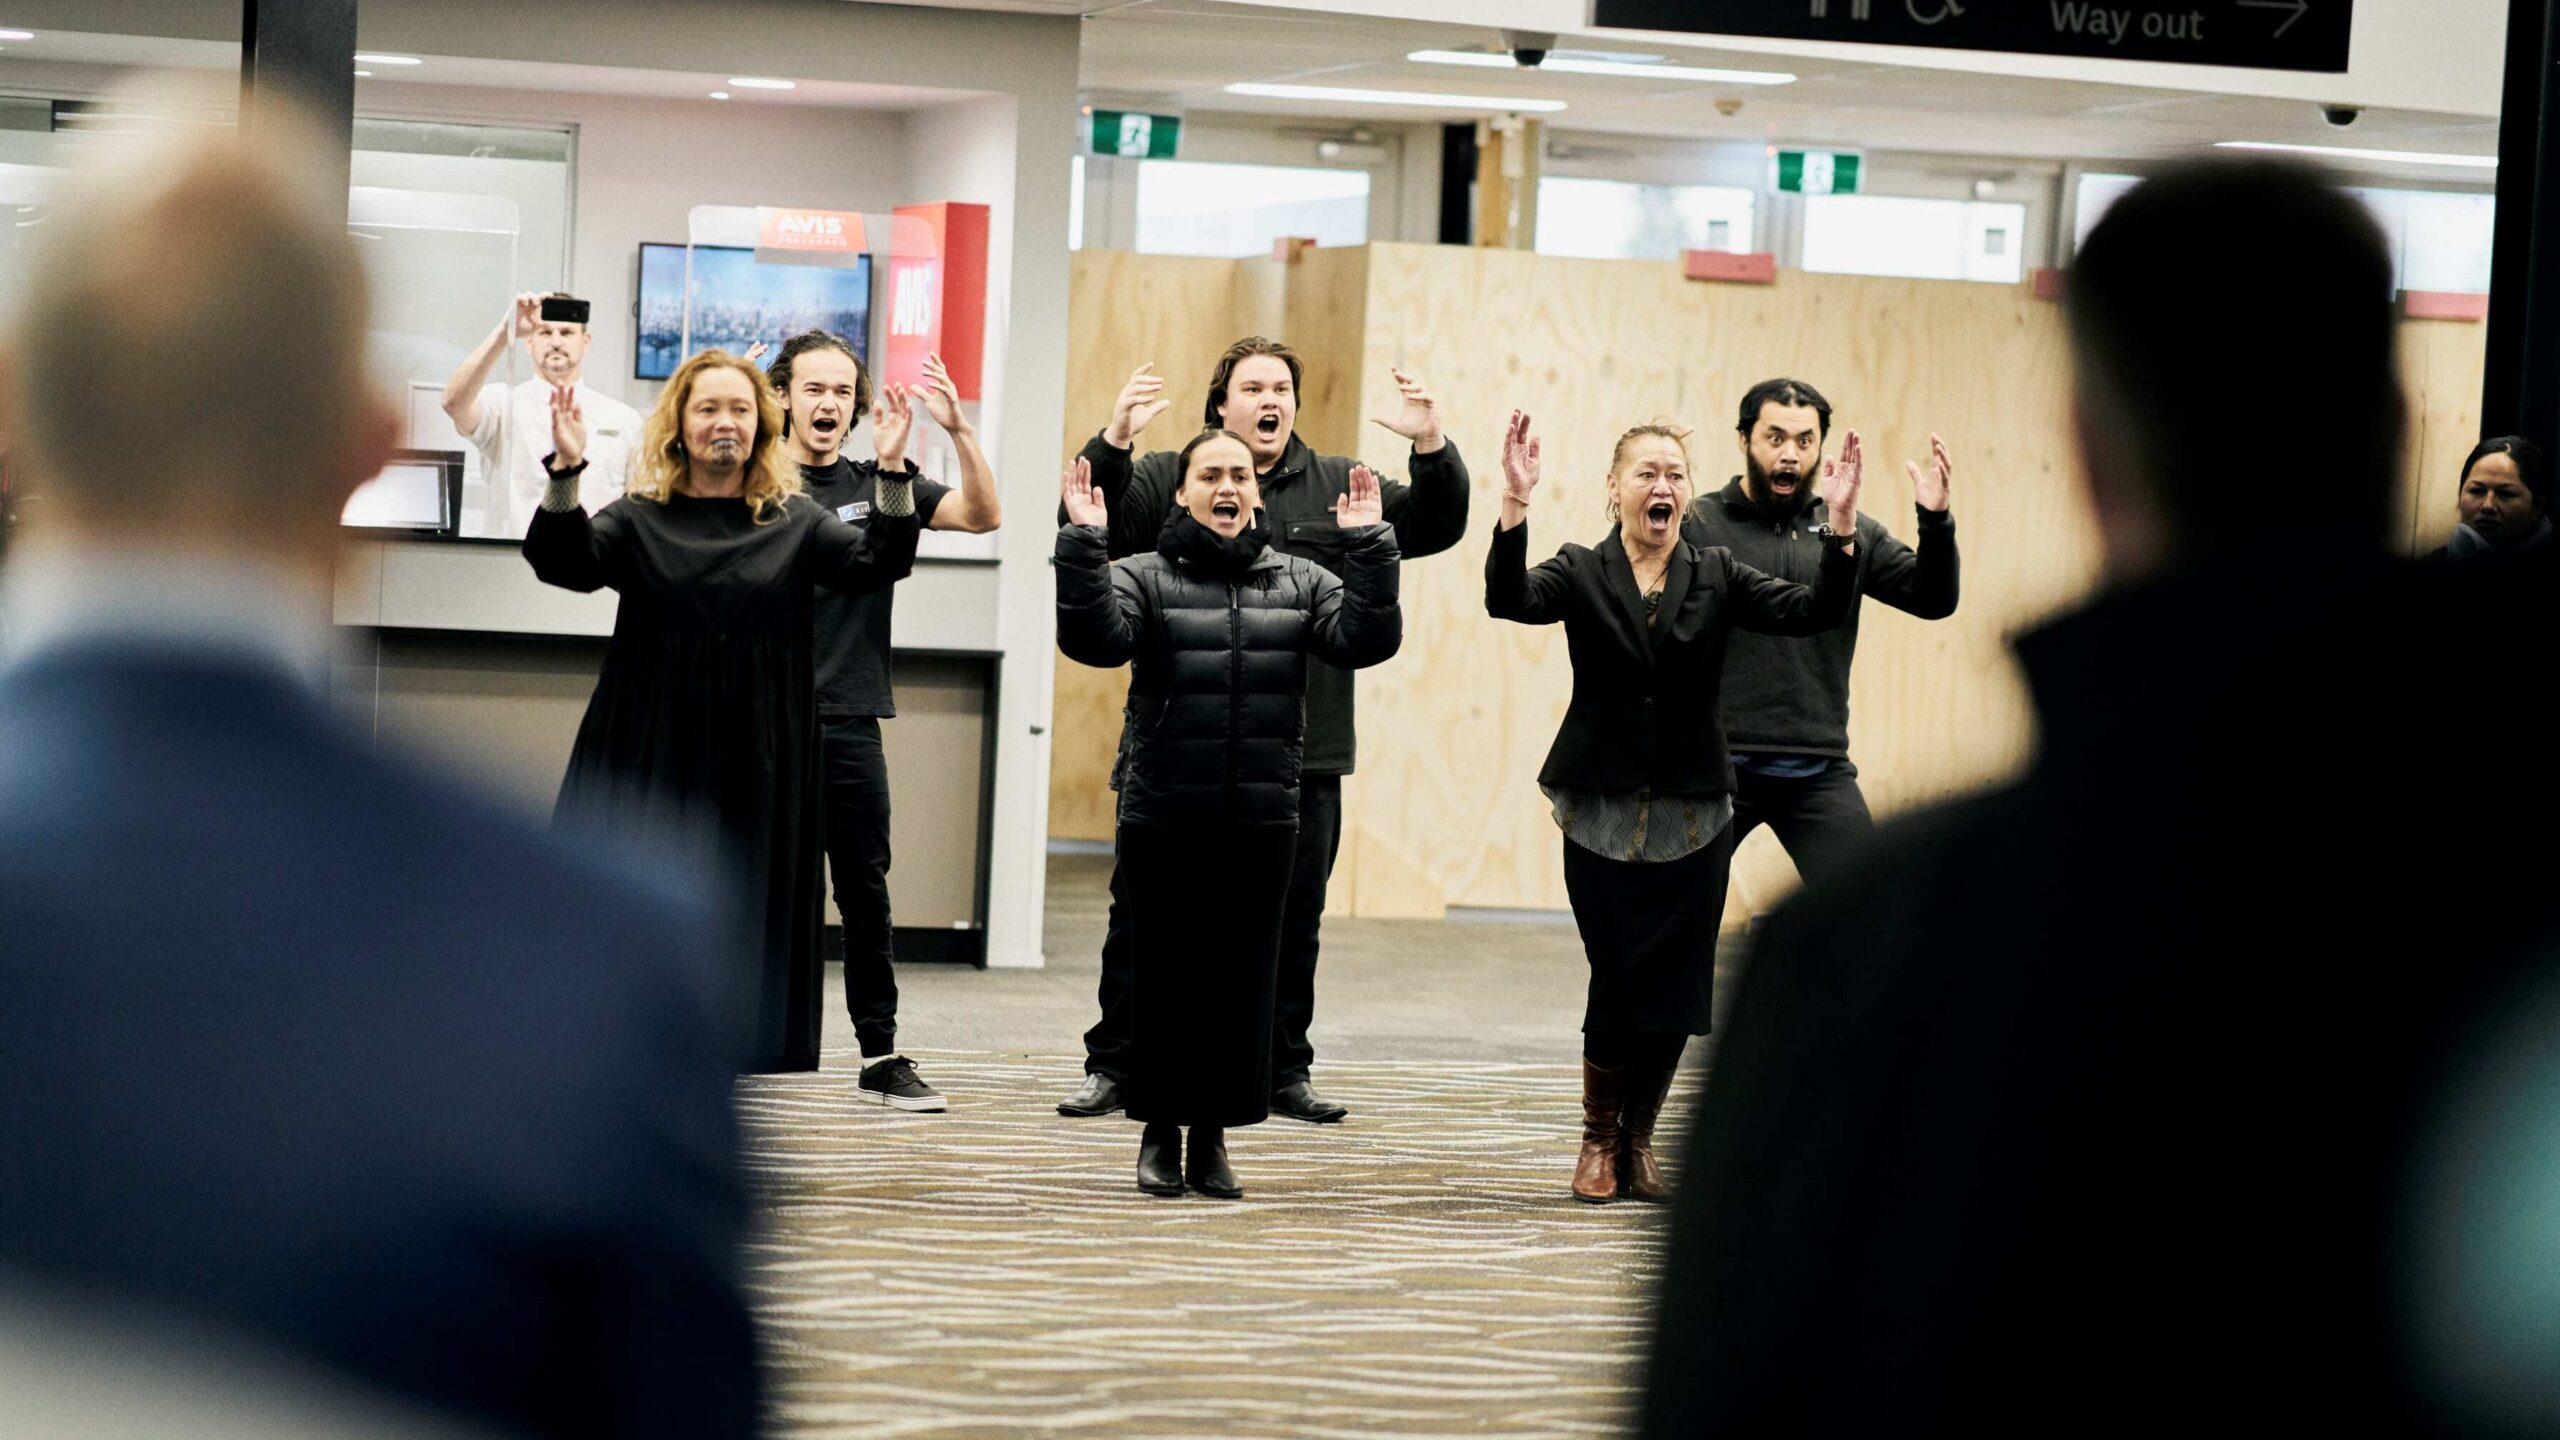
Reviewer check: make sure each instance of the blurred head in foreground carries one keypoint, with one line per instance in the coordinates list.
(186, 365)
(2218, 312)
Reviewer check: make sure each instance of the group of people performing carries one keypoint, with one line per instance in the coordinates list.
(1243, 576)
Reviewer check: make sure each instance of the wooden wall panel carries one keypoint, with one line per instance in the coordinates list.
(1445, 808)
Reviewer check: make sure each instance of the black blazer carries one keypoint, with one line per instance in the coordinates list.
(1645, 710)
(314, 1046)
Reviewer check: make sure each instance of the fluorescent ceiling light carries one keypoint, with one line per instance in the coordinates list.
(1425, 98)
(365, 59)
(2342, 152)
(719, 94)
(364, 74)
(1571, 66)
(17, 34)
(750, 82)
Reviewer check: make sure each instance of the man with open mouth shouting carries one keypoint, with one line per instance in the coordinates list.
(825, 391)
(1786, 698)
(1253, 393)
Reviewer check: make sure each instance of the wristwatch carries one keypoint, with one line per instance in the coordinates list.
(1837, 538)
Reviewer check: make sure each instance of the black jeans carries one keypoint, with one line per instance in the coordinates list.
(1106, 1045)
(857, 806)
(1820, 819)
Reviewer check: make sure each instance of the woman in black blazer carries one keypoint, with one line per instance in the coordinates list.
(1639, 776)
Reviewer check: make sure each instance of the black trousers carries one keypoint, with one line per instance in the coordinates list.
(1820, 819)
(1106, 1045)
(857, 806)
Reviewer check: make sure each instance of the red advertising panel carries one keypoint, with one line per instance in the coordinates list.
(937, 301)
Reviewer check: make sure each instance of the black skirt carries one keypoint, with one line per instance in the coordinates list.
(1649, 932)
(1204, 953)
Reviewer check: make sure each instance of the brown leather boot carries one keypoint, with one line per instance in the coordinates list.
(1639, 1175)
(1595, 1175)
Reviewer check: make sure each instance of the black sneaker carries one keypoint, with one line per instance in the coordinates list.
(892, 1082)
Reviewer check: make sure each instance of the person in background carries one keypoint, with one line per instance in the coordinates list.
(312, 1047)
(1638, 775)
(825, 391)
(511, 425)
(1253, 392)
(704, 722)
(2115, 1097)
(2504, 503)
(1221, 630)
(1786, 698)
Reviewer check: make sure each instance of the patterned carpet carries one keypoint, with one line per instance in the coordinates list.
(1419, 1270)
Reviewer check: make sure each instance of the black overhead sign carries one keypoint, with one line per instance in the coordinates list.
(2257, 34)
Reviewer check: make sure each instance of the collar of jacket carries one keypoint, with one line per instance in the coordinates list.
(1737, 497)
(1188, 543)
(1296, 458)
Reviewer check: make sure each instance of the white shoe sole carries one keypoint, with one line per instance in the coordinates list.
(897, 1102)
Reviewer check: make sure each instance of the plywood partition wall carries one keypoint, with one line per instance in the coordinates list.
(1445, 809)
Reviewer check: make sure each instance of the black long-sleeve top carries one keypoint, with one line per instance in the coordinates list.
(1644, 711)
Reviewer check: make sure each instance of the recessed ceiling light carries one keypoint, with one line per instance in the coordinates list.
(2393, 157)
(1571, 66)
(365, 59)
(1426, 98)
(364, 74)
(750, 82)
(719, 94)
(17, 34)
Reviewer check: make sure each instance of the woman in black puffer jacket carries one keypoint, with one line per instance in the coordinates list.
(1220, 627)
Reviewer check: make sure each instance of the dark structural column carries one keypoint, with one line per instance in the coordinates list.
(1458, 184)
(2521, 393)
(302, 52)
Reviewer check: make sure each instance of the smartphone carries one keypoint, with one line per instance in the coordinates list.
(563, 310)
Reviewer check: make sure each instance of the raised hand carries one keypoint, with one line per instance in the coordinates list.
(757, 351)
(942, 397)
(1365, 504)
(1140, 402)
(568, 426)
(1841, 481)
(893, 417)
(1930, 487)
(528, 314)
(1519, 459)
(1419, 419)
(1083, 498)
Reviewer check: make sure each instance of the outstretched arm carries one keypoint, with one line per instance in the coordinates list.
(1357, 621)
(1513, 590)
(1922, 583)
(462, 388)
(1101, 610)
(562, 544)
(973, 508)
(1430, 514)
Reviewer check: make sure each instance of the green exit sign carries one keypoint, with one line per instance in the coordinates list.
(1818, 172)
(1133, 133)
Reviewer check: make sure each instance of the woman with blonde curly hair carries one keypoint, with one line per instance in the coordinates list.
(704, 722)
(1639, 776)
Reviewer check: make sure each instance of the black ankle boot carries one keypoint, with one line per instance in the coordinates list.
(1208, 1171)
(1160, 1160)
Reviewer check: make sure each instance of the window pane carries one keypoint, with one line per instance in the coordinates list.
(1614, 220)
(1920, 239)
(1075, 204)
(1190, 207)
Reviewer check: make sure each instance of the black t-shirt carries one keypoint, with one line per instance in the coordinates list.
(853, 630)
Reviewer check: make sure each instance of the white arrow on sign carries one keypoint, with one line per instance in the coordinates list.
(2298, 7)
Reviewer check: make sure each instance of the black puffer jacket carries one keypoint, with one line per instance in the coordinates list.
(1221, 632)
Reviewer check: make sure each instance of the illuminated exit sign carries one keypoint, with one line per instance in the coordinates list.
(1818, 172)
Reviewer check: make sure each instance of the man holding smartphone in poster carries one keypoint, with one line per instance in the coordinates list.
(511, 425)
